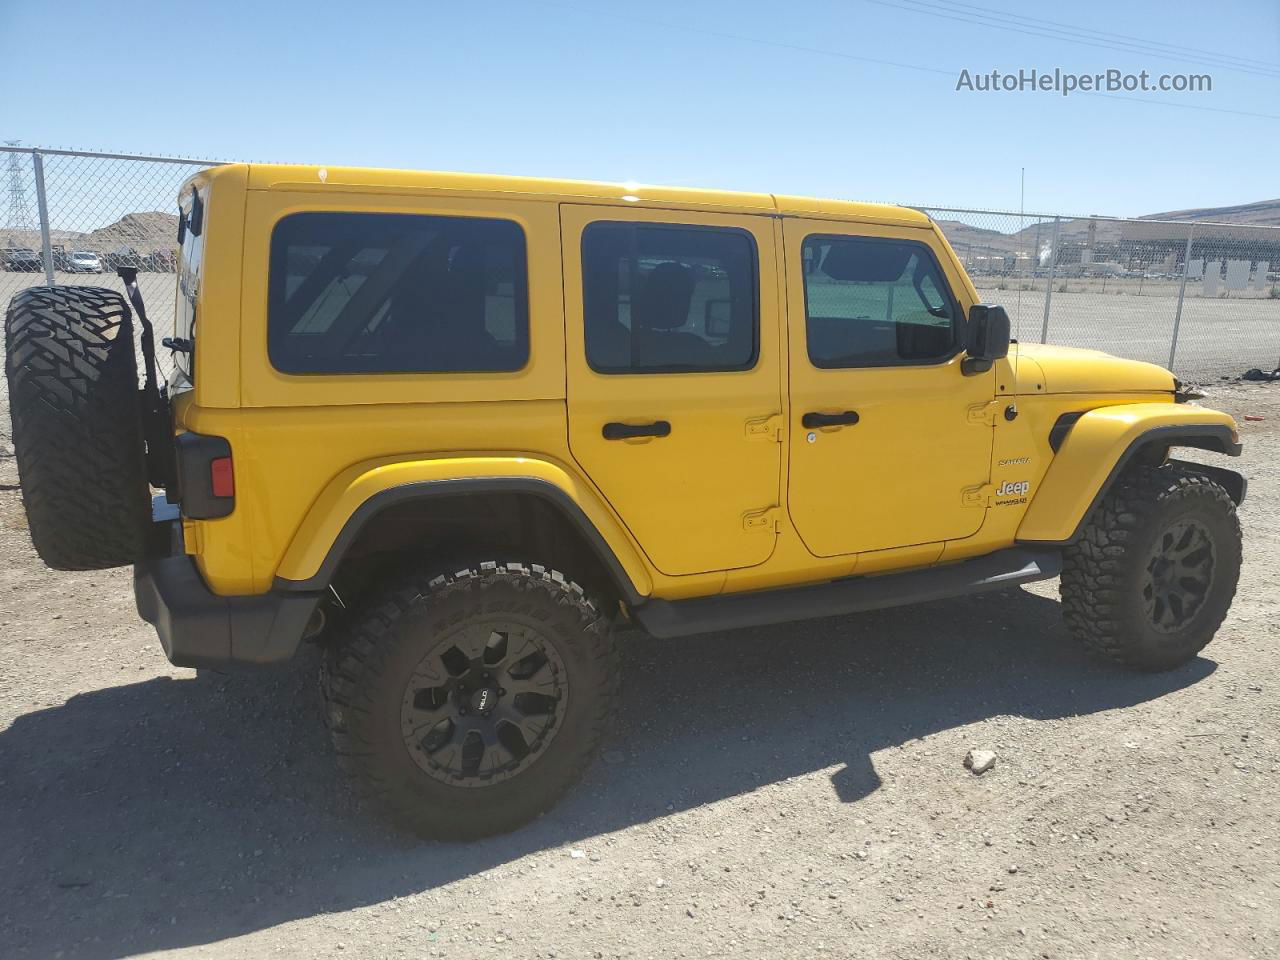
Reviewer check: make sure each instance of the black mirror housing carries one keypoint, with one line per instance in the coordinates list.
(989, 337)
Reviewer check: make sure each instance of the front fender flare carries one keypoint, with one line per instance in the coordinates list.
(1098, 447)
(362, 491)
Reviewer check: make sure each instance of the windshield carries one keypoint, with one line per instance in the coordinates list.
(85, 256)
(191, 205)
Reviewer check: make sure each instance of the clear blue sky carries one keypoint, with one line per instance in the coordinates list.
(741, 94)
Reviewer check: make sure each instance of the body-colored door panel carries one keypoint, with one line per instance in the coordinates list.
(910, 468)
(701, 496)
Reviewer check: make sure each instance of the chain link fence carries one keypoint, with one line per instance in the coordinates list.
(72, 217)
(1202, 298)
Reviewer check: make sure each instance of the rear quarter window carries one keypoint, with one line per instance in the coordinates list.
(397, 293)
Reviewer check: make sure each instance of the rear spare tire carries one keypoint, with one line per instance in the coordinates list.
(77, 426)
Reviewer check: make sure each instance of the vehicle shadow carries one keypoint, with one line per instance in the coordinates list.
(171, 813)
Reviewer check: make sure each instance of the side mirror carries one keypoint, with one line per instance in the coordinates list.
(989, 334)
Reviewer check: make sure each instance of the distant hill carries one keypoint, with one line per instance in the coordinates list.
(1263, 213)
(144, 233)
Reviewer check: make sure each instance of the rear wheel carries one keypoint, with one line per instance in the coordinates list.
(467, 703)
(77, 426)
(1150, 581)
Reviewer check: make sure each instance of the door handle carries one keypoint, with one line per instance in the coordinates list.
(812, 420)
(630, 431)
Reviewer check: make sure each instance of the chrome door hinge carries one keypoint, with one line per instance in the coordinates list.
(984, 414)
(765, 428)
(762, 520)
(978, 496)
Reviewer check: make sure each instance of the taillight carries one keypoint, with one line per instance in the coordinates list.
(206, 476)
(222, 477)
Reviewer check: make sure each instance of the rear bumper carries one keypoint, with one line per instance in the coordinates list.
(198, 628)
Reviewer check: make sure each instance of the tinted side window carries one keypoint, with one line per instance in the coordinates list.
(872, 302)
(668, 299)
(394, 293)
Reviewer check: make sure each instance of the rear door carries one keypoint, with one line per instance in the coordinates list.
(897, 449)
(674, 378)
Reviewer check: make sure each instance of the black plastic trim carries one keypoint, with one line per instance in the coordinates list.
(995, 571)
(1061, 427)
(815, 420)
(1214, 437)
(1234, 483)
(198, 628)
(460, 487)
(633, 431)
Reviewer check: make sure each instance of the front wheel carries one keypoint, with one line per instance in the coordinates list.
(1154, 572)
(467, 703)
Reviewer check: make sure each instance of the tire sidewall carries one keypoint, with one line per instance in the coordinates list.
(422, 628)
(1159, 649)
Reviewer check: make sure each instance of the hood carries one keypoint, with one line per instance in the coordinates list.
(1077, 370)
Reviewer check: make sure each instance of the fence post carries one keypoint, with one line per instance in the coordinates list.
(1182, 292)
(1048, 290)
(42, 204)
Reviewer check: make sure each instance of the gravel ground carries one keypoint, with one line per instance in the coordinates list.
(790, 791)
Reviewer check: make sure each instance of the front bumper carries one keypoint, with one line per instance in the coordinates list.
(199, 628)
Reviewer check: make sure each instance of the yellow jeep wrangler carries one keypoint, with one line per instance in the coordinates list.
(455, 428)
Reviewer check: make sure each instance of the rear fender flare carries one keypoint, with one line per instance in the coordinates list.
(361, 492)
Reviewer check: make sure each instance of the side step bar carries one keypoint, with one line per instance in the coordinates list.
(995, 571)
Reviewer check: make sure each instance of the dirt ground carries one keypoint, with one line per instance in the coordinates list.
(790, 791)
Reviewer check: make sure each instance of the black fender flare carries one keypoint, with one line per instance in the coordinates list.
(461, 487)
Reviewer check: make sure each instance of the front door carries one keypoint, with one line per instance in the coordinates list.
(674, 379)
(891, 441)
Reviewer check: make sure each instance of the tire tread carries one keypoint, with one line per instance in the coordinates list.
(1099, 575)
(77, 426)
(353, 668)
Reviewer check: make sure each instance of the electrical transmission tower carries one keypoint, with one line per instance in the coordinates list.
(19, 210)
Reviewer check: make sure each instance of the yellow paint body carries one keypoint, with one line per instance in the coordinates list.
(737, 498)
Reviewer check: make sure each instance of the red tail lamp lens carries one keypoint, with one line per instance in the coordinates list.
(223, 477)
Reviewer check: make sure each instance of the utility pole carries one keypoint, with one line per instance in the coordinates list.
(19, 210)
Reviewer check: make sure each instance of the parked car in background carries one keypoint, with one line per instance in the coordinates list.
(84, 262)
(126, 257)
(23, 260)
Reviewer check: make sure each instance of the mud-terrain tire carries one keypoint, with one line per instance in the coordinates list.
(405, 696)
(77, 426)
(1151, 578)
